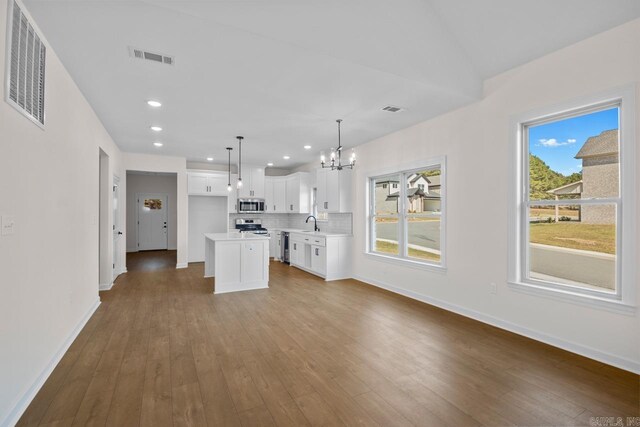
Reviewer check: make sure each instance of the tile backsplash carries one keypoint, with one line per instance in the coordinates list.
(337, 222)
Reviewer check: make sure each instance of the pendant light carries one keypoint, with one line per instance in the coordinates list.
(336, 156)
(240, 138)
(229, 165)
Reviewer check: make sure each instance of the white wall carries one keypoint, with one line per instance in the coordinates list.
(167, 164)
(49, 267)
(146, 183)
(207, 214)
(476, 142)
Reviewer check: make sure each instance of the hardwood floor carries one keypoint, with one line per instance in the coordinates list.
(162, 350)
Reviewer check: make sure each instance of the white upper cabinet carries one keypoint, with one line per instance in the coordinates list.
(280, 195)
(233, 195)
(257, 182)
(334, 190)
(252, 183)
(269, 206)
(275, 194)
(298, 193)
(207, 183)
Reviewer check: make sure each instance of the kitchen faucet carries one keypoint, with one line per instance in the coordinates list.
(315, 222)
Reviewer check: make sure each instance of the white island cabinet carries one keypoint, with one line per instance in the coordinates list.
(238, 261)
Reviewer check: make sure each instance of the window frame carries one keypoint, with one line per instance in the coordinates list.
(623, 299)
(402, 173)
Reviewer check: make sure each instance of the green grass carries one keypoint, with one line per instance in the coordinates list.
(574, 235)
(392, 249)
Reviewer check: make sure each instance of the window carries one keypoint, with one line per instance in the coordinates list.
(407, 223)
(569, 194)
(26, 65)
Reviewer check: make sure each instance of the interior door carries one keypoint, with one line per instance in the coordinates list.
(117, 232)
(152, 222)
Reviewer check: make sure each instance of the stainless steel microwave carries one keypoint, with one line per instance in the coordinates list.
(250, 205)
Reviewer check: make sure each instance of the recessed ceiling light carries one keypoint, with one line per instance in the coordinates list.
(156, 128)
(307, 147)
(269, 164)
(158, 144)
(210, 159)
(286, 157)
(153, 103)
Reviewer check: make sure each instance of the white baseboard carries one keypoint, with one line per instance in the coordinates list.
(14, 415)
(591, 353)
(105, 286)
(182, 265)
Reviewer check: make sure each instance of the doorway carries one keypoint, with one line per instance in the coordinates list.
(152, 221)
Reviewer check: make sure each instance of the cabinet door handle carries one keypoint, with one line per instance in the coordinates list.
(291, 207)
(317, 254)
(326, 205)
(274, 207)
(295, 247)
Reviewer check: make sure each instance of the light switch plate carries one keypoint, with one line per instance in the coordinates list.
(7, 225)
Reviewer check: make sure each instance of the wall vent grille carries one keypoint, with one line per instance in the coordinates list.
(151, 56)
(26, 76)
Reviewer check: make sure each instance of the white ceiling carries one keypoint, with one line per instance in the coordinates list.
(280, 72)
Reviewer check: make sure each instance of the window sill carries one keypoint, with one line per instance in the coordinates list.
(604, 303)
(406, 262)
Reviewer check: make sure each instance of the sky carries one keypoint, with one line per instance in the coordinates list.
(557, 143)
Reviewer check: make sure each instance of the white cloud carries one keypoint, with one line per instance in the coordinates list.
(552, 142)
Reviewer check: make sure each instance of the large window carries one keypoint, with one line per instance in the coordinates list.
(570, 192)
(406, 215)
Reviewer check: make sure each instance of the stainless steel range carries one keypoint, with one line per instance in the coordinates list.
(250, 226)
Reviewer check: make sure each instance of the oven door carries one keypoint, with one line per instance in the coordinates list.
(250, 205)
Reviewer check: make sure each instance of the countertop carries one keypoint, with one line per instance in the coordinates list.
(234, 236)
(321, 234)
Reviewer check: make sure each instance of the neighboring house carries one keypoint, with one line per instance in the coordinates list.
(423, 194)
(600, 166)
(600, 171)
(383, 190)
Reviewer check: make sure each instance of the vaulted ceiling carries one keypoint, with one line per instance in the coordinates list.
(280, 72)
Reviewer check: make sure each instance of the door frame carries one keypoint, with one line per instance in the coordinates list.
(116, 226)
(166, 198)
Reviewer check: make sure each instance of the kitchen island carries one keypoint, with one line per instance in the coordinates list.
(238, 261)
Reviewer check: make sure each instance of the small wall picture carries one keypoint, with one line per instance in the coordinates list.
(153, 203)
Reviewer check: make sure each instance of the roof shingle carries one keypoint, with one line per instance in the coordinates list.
(603, 144)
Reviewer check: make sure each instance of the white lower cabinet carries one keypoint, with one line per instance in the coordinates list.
(295, 251)
(274, 244)
(326, 256)
(319, 259)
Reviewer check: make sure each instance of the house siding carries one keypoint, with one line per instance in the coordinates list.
(600, 176)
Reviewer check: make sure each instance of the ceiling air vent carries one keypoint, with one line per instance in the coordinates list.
(392, 109)
(150, 56)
